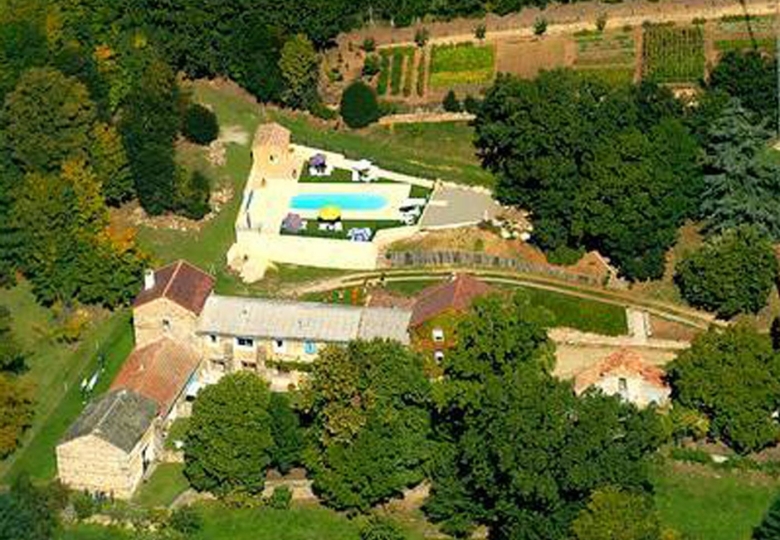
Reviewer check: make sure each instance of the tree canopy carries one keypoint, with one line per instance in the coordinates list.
(359, 106)
(751, 77)
(612, 514)
(732, 376)
(367, 409)
(769, 528)
(229, 443)
(601, 167)
(730, 274)
(517, 450)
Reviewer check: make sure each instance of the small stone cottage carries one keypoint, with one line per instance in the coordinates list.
(111, 445)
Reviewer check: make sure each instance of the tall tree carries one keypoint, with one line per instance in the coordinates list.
(769, 528)
(751, 77)
(612, 514)
(11, 354)
(367, 409)
(16, 412)
(741, 186)
(110, 163)
(229, 441)
(732, 376)
(299, 64)
(730, 274)
(150, 122)
(47, 119)
(28, 512)
(519, 452)
(287, 433)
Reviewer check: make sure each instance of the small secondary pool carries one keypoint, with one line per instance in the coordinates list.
(345, 201)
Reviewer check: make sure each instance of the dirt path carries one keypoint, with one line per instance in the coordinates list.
(665, 310)
(566, 19)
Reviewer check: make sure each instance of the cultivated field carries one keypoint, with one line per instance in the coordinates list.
(744, 33)
(673, 54)
(461, 64)
(610, 56)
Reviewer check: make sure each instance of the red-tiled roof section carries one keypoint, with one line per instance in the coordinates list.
(624, 362)
(182, 283)
(159, 371)
(456, 294)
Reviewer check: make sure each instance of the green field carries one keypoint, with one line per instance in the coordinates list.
(57, 371)
(673, 54)
(161, 489)
(464, 63)
(705, 503)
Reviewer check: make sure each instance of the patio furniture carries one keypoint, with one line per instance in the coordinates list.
(329, 213)
(359, 234)
(318, 166)
(293, 223)
(363, 171)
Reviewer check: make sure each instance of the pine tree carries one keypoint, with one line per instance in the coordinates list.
(769, 529)
(741, 187)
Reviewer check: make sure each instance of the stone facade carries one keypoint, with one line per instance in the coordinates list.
(95, 465)
(634, 389)
(163, 317)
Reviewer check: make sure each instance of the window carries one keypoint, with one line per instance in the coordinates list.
(218, 365)
(213, 339)
(438, 356)
(273, 158)
(245, 342)
(280, 346)
(249, 366)
(438, 334)
(622, 386)
(166, 325)
(309, 347)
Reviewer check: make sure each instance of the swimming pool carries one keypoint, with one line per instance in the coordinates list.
(345, 201)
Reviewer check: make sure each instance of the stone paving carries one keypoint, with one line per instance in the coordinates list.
(458, 206)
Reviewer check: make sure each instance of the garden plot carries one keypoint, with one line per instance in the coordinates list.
(673, 54)
(526, 57)
(461, 64)
(609, 56)
(743, 34)
(396, 71)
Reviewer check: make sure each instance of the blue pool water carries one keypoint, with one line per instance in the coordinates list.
(345, 201)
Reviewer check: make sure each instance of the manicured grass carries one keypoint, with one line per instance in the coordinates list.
(419, 192)
(707, 504)
(464, 63)
(437, 150)
(312, 228)
(176, 432)
(673, 54)
(275, 280)
(580, 313)
(58, 371)
(411, 287)
(166, 483)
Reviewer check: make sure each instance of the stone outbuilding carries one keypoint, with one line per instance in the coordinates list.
(272, 153)
(170, 303)
(110, 446)
(626, 374)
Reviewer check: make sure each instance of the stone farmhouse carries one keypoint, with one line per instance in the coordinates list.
(625, 373)
(188, 337)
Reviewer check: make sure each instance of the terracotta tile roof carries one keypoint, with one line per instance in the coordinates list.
(624, 362)
(159, 371)
(180, 282)
(456, 294)
(272, 134)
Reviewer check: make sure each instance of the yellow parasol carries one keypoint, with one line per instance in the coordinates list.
(330, 213)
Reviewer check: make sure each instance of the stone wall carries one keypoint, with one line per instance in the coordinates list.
(150, 324)
(92, 464)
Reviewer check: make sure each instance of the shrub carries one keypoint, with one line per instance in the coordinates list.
(186, 520)
(194, 192)
(451, 103)
(200, 124)
(381, 529)
(601, 22)
(565, 255)
(281, 498)
(369, 45)
(691, 455)
(480, 31)
(540, 26)
(372, 65)
(730, 274)
(84, 505)
(359, 106)
(421, 36)
(471, 104)
(320, 110)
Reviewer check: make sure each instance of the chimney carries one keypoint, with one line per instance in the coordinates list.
(148, 280)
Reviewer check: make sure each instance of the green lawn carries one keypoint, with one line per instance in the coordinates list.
(166, 483)
(437, 150)
(301, 522)
(712, 504)
(57, 371)
(463, 63)
(338, 176)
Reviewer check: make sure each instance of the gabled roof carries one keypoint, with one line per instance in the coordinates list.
(159, 371)
(179, 282)
(272, 134)
(456, 294)
(120, 418)
(264, 318)
(623, 363)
